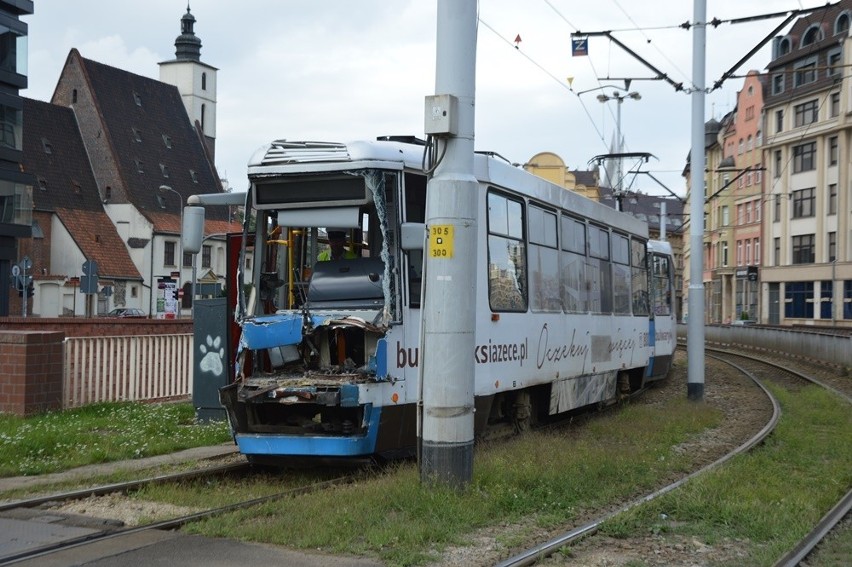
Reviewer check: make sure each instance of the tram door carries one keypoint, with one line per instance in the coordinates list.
(774, 304)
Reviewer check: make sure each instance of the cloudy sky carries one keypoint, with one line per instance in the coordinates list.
(338, 70)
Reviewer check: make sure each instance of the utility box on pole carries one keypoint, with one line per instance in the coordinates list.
(211, 365)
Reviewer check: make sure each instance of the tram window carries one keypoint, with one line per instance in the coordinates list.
(638, 263)
(574, 288)
(415, 211)
(507, 289)
(620, 274)
(598, 271)
(661, 283)
(544, 261)
(574, 235)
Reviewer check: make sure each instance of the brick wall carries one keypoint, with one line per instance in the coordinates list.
(30, 371)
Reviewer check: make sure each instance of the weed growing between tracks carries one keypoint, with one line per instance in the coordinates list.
(772, 496)
(550, 476)
(100, 433)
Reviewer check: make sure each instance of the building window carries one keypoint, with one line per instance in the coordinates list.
(187, 260)
(806, 113)
(803, 203)
(779, 121)
(206, 255)
(137, 99)
(749, 143)
(804, 251)
(726, 217)
(778, 84)
(748, 252)
(167, 141)
(740, 214)
(812, 35)
(832, 150)
(832, 246)
(804, 72)
(740, 147)
(835, 62)
(42, 183)
(834, 104)
(739, 252)
(804, 157)
(46, 146)
(832, 198)
(758, 208)
(756, 251)
(169, 253)
(74, 96)
(203, 116)
(776, 251)
(776, 217)
(194, 175)
(799, 300)
(139, 166)
(748, 212)
(841, 25)
(847, 299)
(164, 169)
(724, 254)
(778, 162)
(137, 134)
(10, 127)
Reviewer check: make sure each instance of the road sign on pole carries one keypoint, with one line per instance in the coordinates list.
(89, 280)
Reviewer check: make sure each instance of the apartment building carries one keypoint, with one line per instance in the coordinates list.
(806, 276)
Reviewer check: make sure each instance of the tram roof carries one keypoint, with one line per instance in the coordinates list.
(283, 157)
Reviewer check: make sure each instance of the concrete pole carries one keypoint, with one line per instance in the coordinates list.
(449, 306)
(695, 324)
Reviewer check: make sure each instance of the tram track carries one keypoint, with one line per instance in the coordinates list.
(168, 524)
(755, 368)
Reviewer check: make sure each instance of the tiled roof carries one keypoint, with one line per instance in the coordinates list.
(152, 140)
(55, 155)
(94, 233)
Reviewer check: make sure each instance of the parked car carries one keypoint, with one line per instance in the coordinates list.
(131, 312)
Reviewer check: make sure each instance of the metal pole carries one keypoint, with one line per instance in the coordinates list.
(695, 325)
(449, 304)
(618, 145)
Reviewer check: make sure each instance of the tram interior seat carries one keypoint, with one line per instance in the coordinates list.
(351, 284)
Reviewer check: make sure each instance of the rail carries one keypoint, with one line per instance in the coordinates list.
(106, 369)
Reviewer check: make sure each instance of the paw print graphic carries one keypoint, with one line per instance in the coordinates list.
(213, 353)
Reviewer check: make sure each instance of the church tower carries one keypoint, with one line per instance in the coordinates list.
(195, 81)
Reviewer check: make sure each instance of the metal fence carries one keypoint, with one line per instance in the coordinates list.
(106, 369)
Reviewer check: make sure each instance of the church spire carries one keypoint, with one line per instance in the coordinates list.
(187, 44)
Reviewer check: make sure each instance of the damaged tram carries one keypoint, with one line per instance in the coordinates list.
(572, 309)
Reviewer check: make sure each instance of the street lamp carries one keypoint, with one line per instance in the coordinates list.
(166, 188)
(619, 97)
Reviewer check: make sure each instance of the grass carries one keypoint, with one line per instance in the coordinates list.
(550, 477)
(772, 496)
(767, 499)
(100, 433)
